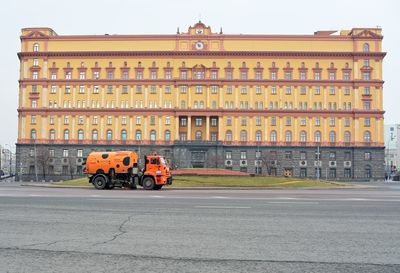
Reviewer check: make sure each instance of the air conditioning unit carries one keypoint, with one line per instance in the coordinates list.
(65, 160)
(303, 163)
(332, 163)
(317, 163)
(347, 164)
(257, 163)
(243, 163)
(228, 163)
(274, 162)
(51, 160)
(79, 161)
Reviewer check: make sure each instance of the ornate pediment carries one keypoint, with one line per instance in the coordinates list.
(366, 33)
(37, 34)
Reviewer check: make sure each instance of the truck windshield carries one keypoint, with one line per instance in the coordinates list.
(162, 161)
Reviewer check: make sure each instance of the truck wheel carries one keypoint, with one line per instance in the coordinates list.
(100, 182)
(157, 187)
(148, 183)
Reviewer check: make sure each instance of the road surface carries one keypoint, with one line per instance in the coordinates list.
(85, 230)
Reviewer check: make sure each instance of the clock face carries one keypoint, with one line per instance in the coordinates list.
(199, 45)
(199, 31)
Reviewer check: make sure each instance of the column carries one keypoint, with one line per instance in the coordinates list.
(146, 94)
(236, 133)
(208, 97)
(44, 127)
(159, 128)
(236, 97)
(132, 102)
(189, 128)
(189, 103)
(220, 133)
(177, 104)
(160, 105)
(44, 97)
(207, 128)
(45, 69)
(101, 133)
(324, 90)
(220, 97)
(251, 136)
(88, 136)
(130, 127)
(356, 98)
(296, 104)
(144, 133)
(117, 105)
(251, 98)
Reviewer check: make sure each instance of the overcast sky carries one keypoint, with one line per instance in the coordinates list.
(163, 17)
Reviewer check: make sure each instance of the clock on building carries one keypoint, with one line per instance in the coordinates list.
(199, 45)
(199, 31)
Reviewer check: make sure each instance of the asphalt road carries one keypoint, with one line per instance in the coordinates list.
(85, 230)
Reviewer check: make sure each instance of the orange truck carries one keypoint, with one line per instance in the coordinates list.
(107, 170)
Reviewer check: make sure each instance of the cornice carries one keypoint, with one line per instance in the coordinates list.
(319, 54)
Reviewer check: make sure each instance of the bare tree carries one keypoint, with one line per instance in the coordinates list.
(268, 160)
(42, 160)
(214, 161)
(71, 167)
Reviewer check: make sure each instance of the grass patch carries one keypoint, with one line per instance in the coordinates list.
(78, 182)
(228, 181)
(245, 181)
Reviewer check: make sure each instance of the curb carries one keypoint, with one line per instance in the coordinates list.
(201, 188)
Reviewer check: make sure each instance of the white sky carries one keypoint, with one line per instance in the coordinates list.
(163, 17)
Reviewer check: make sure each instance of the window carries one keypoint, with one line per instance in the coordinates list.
(244, 121)
(82, 75)
(367, 156)
(228, 135)
(65, 153)
(317, 136)
(109, 120)
(273, 90)
(273, 121)
(288, 136)
(302, 75)
(167, 136)
(366, 76)
(332, 173)
(213, 122)
(346, 76)
(332, 136)
(198, 122)
(288, 75)
(94, 134)
(288, 154)
(229, 121)
(198, 135)
(317, 121)
(367, 122)
(288, 90)
(258, 121)
(347, 91)
(228, 155)
(52, 134)
(33, 134)
(243, 75)
(303, 155)
(109, 135)
(317, 76)
(366, 47)
(303, 136)
(347, 137)
(258, 135)
(367, 105)
(123, 135)
(167, 120)
(243, 135)
(152, 120)
(332, 121)
(367, 91)
(68, 75)
(66, 134)
(138, 135)
(214, 75)
(153, 135)
(367, 172)
(229, 89)
(288, 121)
(332, 76)
(317, 90)
(80, 134)
(273, 75)
(273, 136)
(332, 90)
(183, 122)
(244, 90)
(367, 136)
(35, 47)
(243, 155)
(347, 122)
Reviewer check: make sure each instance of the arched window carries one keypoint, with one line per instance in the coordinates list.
(198, 135)
(303, 136)
(366, 47)
(33, 134)
(153, 135)
(317, 136)
(258, 135)
(167, 135)
(123, 135)
(138, 135)
(80, 134)
(201, 105)
(273, 136)
(52, 134)
(243, 135)
(66, 134)
(183, 104)
(195, 104)
(109, 135)
(288, 136)
(228, 135)
(95, 135)
(347, 137)
(332, 136)
(35, 47)
(367, 136)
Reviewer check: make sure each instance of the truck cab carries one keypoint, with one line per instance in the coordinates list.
(157, 170)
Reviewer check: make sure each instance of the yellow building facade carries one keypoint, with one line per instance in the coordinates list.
(303, 105)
